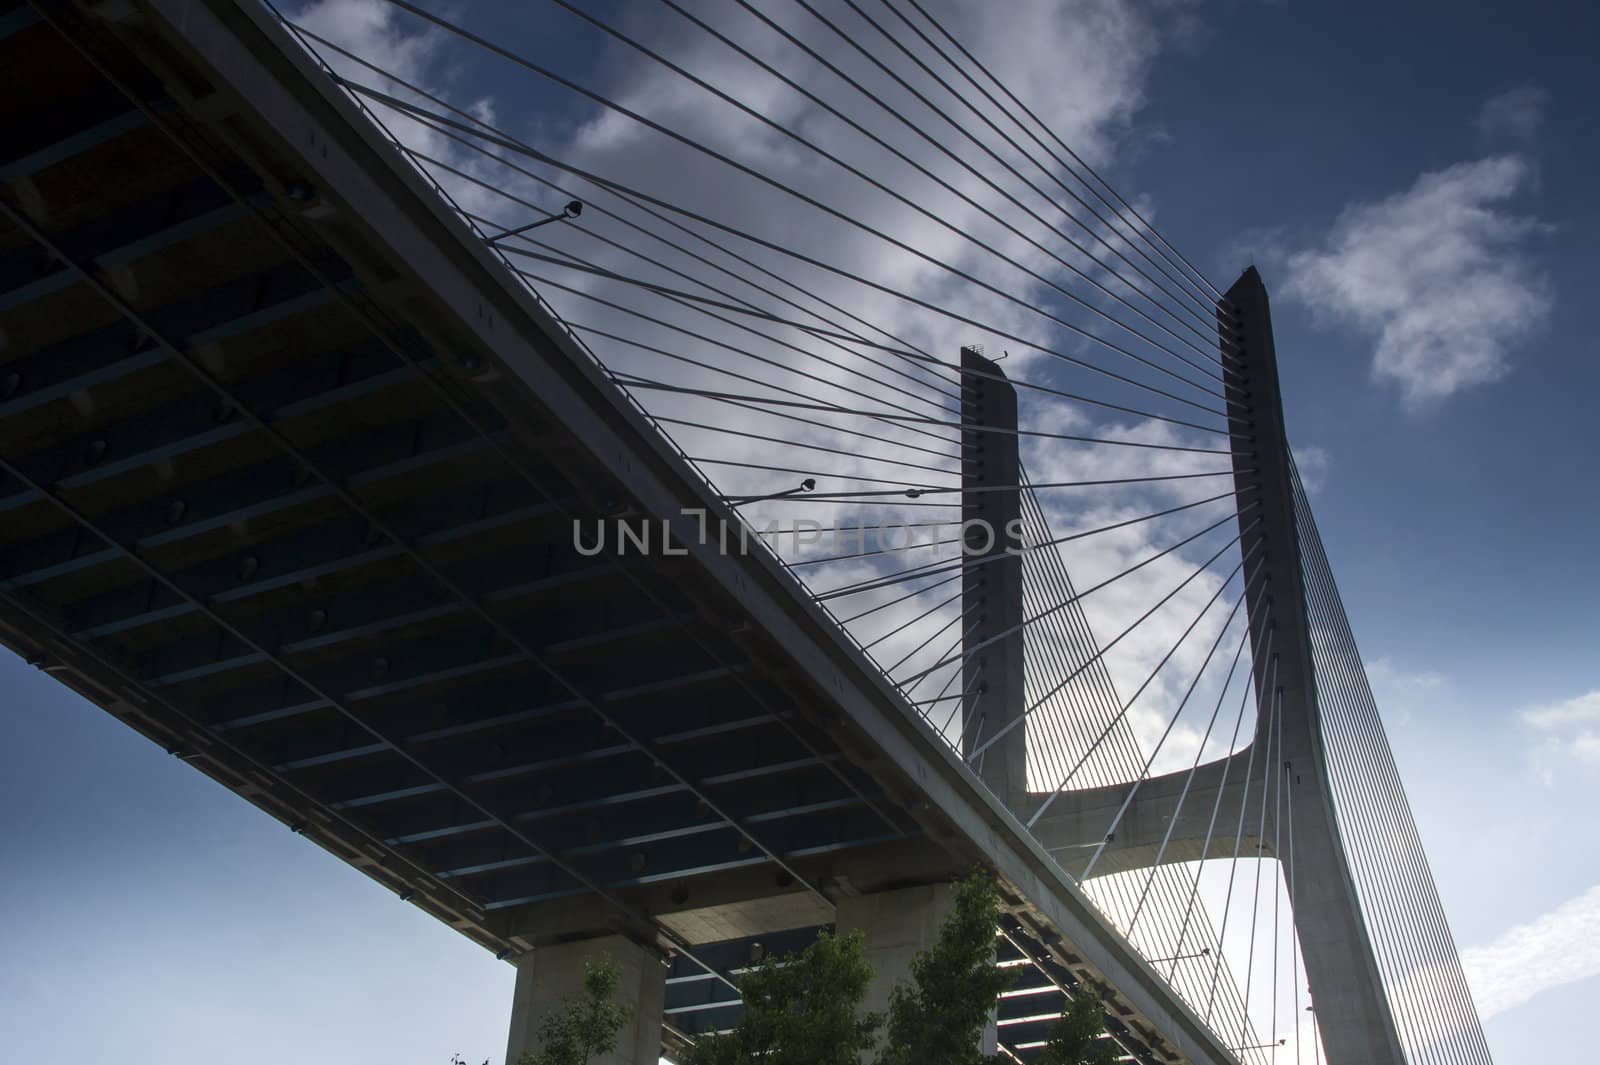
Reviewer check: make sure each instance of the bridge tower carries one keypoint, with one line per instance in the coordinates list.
(991, 588)
(1168, 819)
(1347, 990)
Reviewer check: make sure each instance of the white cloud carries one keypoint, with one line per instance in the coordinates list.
(1557, 948)
(1438, 275)
(382, 36)
(1581, 709)
(1571, 727)
(1384, 673)
(1313, 462)
(1400, 691)
(1515, 114)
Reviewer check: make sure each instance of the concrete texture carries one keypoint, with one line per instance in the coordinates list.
(897, 926)
(1346, 988)
(1155, 825)
(993, 640)
(547, 978)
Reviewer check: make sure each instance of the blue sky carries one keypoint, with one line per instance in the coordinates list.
(1460, 528)
(147, 914)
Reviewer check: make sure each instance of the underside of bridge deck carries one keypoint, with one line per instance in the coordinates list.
(252, 487)
(288, 474)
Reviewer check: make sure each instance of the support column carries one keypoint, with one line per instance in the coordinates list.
(548, 977)
(1346, 987)
(991, 592)
(897, 925)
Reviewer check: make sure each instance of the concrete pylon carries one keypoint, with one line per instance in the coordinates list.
(549, 977)
(1346, 987)
(991, 587)
(1347, 990)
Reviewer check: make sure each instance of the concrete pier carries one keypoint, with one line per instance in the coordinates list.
(549, 977)
(897, 925)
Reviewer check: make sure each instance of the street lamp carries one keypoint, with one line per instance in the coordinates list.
(572, 210)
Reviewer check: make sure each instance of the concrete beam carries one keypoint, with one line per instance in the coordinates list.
(734, 903)
(1172, 816)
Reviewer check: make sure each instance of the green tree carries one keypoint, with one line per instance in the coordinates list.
(804, 1009)
(941, 1014)
(586, 1025)
(1077, 1038)
(800, 1010)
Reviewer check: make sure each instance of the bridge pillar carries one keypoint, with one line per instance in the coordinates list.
(897, 925)
(1347, 992)
(549, 977)
(1346, 988)
(991, 592)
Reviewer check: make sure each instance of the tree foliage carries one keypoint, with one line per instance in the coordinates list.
(805, 1008)
(941, 1014)
(586, 1025)
(800, 1010)
(1078, 1036)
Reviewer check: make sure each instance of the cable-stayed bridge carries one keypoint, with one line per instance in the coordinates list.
(659, 576)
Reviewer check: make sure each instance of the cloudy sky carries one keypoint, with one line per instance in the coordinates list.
(1411, 187)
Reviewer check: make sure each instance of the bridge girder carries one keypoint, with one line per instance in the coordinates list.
(271, 637)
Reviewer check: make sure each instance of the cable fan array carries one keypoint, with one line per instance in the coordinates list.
(1428, 991)
(789, 220)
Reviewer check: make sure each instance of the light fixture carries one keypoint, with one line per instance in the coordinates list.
(805, 486)
(572, 210)
(1261, 1046)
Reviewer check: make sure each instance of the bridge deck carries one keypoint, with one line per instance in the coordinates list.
(288, 471)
